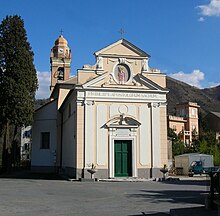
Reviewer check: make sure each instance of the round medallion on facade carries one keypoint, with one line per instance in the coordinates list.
(123, 109)
(122, 73)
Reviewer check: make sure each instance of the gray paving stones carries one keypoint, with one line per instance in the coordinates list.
(36, 197)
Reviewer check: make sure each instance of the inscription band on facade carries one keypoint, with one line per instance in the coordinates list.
(123, 95)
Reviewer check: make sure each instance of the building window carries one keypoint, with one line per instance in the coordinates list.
(194, 112)
(45, 140)
(26, 146)
(60, 73)
(27, 134)
(182, 113)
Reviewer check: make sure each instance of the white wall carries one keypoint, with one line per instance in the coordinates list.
(44, 121)
(102, 135)
(69, 136)
(89, 133)
(156, 136)
(116, 108)
(145, 135)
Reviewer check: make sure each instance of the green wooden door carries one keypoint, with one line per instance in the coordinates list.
(123, 156)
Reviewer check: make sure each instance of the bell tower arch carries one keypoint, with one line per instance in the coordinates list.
(60, 60)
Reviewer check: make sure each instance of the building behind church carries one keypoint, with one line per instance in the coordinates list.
(111, 114)
(186, 121)
(213, 123)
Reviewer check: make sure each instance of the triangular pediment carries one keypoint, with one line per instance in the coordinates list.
(147, 83)
(138, 82)
(96, 82)
(122, 48)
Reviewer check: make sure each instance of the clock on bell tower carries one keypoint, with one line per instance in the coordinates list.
(60, 60)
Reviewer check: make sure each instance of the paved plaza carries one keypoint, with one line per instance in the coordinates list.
(35, 197)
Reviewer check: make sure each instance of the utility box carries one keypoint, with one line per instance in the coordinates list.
(184, 161)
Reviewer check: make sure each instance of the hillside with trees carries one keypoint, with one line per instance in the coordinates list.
(207, 99)
(213, 92)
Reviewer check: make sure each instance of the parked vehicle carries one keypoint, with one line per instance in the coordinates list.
(197, 167)
(183, 162)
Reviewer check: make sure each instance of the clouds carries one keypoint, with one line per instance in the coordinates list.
(44, 85)
(213, 84)
(193, 78)
(211, 9)
(201, 19)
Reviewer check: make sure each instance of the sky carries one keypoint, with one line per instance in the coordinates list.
(182, 36)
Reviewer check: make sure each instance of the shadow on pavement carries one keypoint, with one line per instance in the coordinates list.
(27, 174)
(202, 182)
(193, 211)
(172, 196)
(152, 214)
(183, 197)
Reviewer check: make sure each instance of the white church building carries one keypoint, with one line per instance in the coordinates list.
(111, 114)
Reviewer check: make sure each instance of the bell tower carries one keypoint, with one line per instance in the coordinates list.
(60, 60)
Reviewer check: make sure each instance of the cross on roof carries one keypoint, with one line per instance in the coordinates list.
(61, 31)
(121, 31)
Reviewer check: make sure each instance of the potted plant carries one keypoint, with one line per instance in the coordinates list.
(92, 169)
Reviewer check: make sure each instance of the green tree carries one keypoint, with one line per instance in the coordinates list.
(209, 145)
(203, 147)
(178, 146)
(18, 81)
(209, 136)
(215, 151)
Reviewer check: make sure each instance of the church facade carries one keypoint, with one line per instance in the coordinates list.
(111, 115)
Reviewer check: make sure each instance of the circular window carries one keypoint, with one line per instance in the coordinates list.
(122, 73)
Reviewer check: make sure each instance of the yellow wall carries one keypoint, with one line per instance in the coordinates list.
(163, 133)
(80, 136)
